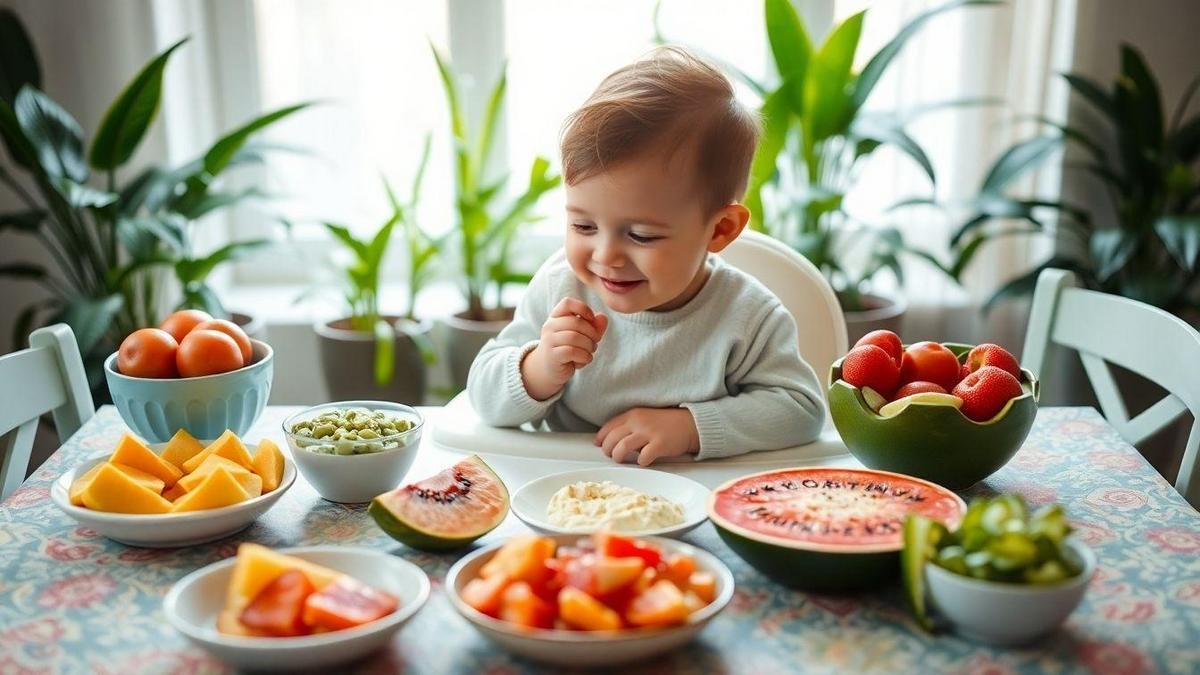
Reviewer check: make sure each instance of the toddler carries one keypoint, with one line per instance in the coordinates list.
(637, 331)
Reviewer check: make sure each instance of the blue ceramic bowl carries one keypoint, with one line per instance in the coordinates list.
(204, 406)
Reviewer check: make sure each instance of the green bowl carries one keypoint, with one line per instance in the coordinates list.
(934, 442)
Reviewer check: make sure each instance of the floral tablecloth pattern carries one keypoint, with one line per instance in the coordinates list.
(74, 602)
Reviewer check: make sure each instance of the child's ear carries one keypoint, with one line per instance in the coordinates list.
(730, 221)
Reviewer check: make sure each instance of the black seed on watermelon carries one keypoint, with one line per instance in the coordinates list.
(445, 511)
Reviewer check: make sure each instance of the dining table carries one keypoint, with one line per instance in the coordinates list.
(72, 601)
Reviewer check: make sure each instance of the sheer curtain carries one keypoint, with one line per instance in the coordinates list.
(1010, 52)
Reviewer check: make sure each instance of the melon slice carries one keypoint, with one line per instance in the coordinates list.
(152, 482)
(448, 510)
(219, 489)
(228, 446)
(250, 482)
(134, 453)
(268, 464)
(115, 491)
(82, 482)
(174, 492)
(181, 448)
(258, 566)
(925, 398)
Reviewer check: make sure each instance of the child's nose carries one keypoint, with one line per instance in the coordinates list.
(607, 252)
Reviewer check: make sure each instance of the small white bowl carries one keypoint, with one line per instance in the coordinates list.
(354, 479)
(166, 530)
(1004, 613)
(529, 503)
(193, 603)
(582, 648)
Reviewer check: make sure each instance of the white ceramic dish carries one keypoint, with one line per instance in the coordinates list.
(584, 649)
(168, 530)
(193, 603)
(529, 502)
(1008, 614)
(354, 479)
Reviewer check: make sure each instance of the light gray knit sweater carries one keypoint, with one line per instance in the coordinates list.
(729, 356)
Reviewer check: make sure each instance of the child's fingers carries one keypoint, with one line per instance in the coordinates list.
(605, 430)
(573, 307)
(627, 446)
(616, 435)
(571, 354)
(572, 323)
(601, 323)
(572, 339)
(650, 452)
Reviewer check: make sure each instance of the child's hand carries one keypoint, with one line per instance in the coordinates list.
(568, 341)
(651, 432)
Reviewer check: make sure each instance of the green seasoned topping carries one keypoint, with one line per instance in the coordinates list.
(351, 431)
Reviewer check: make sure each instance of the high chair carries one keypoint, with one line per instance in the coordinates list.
(47, 377)
(1144, 339)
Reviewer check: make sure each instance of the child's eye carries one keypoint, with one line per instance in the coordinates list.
(642, 239)
(583, 228)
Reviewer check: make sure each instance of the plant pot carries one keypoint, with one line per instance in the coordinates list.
(465, 337)
(348, 363)
(882, 314)
(251, 324)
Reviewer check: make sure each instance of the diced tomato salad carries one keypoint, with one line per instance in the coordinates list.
(605, 582)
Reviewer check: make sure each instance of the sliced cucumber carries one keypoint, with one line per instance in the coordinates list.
(921, 537)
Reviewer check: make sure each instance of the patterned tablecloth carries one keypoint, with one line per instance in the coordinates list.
(72, 601)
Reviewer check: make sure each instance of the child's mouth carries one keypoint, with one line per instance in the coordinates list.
(615, 286)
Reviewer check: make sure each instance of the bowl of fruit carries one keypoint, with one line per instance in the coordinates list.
(1005, 576)
(193, 372)
(584, 601)
(946, 412)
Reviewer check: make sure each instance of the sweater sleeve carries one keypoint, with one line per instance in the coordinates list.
(778, 403)
(494, 383)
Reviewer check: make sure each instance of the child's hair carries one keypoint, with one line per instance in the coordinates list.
(661, 102)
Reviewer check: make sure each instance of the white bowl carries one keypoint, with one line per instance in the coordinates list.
(354, 479)
(167, 530)
(1004, 613)
(193, 603)
(582, 648)
(529, 502)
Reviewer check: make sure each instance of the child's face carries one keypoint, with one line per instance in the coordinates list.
(638, 236)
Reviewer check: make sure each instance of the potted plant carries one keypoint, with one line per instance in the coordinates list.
(815, 137)
(367, 354)
(486, 226)
(108, 242)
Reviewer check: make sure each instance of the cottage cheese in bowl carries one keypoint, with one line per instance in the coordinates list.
(591, 504)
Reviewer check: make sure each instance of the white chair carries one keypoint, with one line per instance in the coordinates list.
(1144, 339)
(47, 377)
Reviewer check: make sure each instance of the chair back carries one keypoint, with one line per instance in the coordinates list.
(1106, 328)
(46, 378)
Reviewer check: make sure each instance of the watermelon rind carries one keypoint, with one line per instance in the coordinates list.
(410, 535)
(807, 565)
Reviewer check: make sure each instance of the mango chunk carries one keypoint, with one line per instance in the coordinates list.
(152, 482)
(268, 464)
(113, 490)
(132, 452)
(219, 489)
(249, 481)
(228, 446)
(181, 448)
(174, 492)
(258, 566)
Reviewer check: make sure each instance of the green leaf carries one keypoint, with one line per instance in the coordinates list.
(23, 324)
(83, 196)
(22, 221)
(202, 296)
(879, 63)
(790, 44)
(385, 352)
(1137, 99)
(1110, 250)
(776, 116)
(1184, 102)
(1023, 285)
(1184, 143)
(379, 244)
(1181, 237)
(343, 235)
(1018, 159)
(53, 133)
(90, 318)
(130, 115)
(877, 128)
(142, 236)
(18, 60)
(484, 148)
(150, 182)
(23, 271)
(1092, 93)
(224, 150)
(212, 201)
(827, 106)
(19, 148)
(197, 269)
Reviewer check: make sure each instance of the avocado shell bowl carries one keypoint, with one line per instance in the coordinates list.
(930, 441)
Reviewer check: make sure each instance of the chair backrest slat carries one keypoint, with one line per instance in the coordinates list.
(27, 391)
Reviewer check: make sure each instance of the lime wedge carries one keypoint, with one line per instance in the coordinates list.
(921, 536)
(874, 399)
(927, 397)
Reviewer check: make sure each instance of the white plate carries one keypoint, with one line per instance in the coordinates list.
(193, 603)
(529, 502)
(168, 530)
(581, 648)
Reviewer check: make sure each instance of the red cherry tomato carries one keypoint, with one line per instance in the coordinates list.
(929, 362)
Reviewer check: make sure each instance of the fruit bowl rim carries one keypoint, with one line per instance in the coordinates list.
(110, 367)
(558, 635)
(369, 404)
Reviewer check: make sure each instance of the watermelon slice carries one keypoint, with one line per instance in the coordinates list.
(445, 511)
